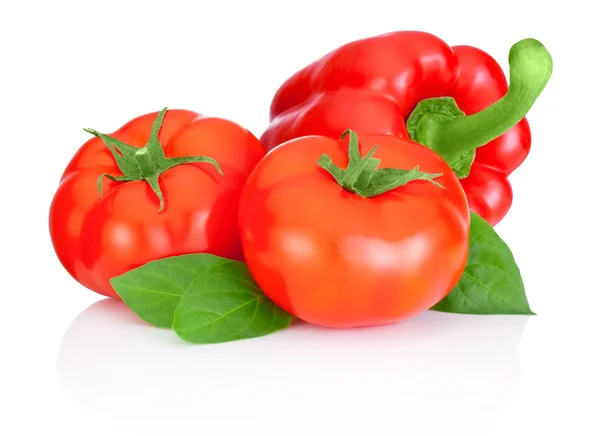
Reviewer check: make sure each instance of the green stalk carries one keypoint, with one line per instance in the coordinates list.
(146, 163)
(439, 124)
(362, 177)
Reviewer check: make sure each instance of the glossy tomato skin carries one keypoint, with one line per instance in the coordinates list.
(372, 85)
(335, 259)
(99, 238)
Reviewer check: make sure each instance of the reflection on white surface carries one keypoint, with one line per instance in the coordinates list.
(435, 363)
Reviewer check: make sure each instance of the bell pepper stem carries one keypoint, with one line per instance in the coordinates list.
(451, 135)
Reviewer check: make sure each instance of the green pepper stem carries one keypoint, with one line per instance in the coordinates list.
(530, 69)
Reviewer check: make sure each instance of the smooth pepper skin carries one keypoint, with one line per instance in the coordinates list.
(337, 259)
(372, 85)
(99, 237)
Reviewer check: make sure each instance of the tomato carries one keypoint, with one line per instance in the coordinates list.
(162, 207)
(338, 257)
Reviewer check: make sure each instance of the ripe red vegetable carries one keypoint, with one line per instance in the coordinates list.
(357, 246)
(375, 84)
(119, 206)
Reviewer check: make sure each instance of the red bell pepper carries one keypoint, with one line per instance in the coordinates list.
(412, 84)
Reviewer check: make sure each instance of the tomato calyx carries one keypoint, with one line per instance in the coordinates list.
(146, 163)
(362, 177)
(439, 124)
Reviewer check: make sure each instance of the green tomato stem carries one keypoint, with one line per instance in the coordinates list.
(362, 177)
(147, 163)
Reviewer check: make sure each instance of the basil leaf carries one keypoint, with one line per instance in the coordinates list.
(154, 289)
(225, 304)
(491, 282)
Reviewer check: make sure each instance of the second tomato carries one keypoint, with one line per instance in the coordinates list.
(164, 184)
(354, 232)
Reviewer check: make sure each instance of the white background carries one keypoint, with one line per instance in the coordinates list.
(73, 364)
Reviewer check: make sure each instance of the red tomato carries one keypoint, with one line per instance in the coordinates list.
(97, 238)
(337, 259)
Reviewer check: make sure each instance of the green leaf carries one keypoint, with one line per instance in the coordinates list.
(153, 290)
(225, 304)
(491, 282)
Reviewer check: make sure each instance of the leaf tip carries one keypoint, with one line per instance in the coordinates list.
(346, 133)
